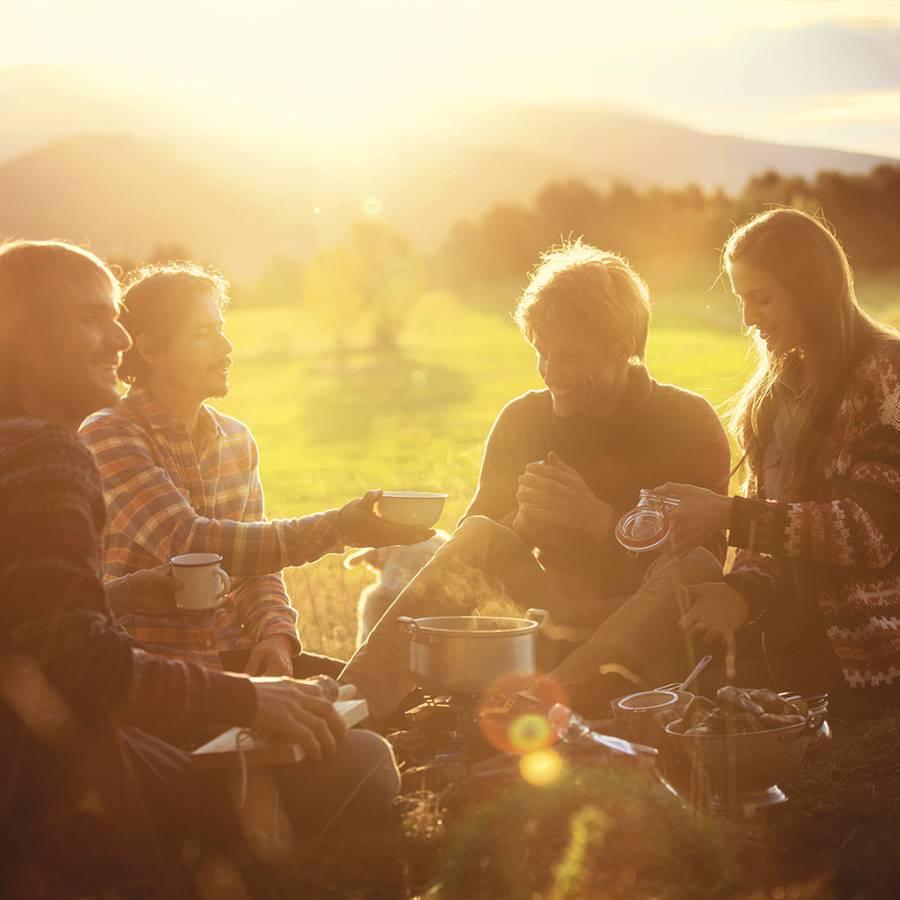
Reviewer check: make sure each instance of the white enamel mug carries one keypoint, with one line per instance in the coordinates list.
(203, 582)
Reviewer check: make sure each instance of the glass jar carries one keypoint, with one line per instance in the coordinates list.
(646, 527)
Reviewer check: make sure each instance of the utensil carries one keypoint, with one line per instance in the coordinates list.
(571, 728)
(468, 654)
(646, 712)
(695, 673)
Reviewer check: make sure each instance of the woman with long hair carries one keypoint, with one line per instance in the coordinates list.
(817, 529)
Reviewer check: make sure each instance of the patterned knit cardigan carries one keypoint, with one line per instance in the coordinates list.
(847, 536)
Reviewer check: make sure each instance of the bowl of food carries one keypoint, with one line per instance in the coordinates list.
(646, 713)
(417, 508)
(746, 742)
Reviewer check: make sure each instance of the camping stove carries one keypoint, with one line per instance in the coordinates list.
(442, 741)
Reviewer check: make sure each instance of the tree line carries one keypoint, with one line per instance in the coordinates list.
(673, 236)
(367, 284)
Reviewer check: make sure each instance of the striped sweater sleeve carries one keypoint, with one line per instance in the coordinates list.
(52, 603)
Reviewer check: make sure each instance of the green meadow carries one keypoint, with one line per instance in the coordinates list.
(417, 420)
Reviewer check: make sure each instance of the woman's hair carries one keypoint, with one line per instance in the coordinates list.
(156, 301)
(35, 276)
(801, 252)
(586, 290)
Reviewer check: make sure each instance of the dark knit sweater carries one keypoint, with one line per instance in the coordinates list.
(832, 558)
(659, 433)
(53, 609)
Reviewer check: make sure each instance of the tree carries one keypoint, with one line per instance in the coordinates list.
(280, 283)
(390, 279)
(331, 288)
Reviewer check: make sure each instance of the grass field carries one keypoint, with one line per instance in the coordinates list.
(418, 421)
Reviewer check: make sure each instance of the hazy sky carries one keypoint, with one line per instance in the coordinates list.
(820, 73)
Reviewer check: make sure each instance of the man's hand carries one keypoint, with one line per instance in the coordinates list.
(361, 527)
(271, 656)
(525, 526)
(146, 590)
(554, 493)
(697, 518)
(716, 612)
(299, 712)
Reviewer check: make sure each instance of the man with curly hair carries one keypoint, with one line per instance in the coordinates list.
(181, 477)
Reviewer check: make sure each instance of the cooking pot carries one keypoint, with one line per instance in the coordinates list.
(467, 654)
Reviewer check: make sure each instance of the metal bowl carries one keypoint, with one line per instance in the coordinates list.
(744, 770)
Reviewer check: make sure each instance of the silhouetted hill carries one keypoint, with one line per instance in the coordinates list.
(508, 153)
(254, 188)
(123, 196)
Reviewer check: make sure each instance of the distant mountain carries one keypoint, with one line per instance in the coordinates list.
(86, 156)
(123, 196)
(510, 152)
(42, 104)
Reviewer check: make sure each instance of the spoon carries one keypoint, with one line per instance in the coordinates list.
(695, 672)
(573, 729)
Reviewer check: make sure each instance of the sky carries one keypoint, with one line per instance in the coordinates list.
(814, 72)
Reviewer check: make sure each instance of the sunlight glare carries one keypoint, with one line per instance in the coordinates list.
(530, 732)
(541, 768)
(372, 207)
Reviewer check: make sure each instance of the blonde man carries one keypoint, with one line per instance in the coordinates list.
(560, 466)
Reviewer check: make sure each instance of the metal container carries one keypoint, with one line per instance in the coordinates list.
(467, 654)
(646, 713)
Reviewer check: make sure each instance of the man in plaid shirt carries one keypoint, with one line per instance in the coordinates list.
(179, 476)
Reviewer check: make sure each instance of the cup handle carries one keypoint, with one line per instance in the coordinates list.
(225, 581)
(541, 616)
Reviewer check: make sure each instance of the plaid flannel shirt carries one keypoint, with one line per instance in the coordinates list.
(164, 497)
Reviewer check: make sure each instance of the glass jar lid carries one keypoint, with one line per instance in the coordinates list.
(646, 527)
(642, 528)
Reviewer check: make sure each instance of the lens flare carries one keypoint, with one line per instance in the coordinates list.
(513, 713)
(541, 768)
(372, 207)
(530, 732)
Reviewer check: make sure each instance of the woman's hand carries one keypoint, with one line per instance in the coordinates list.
(717, 611)
(700, 514)
(146, 590)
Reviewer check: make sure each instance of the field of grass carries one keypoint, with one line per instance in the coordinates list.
(418, 421)
(413, 422)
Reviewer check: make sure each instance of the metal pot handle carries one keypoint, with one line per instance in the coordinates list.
(541, 616)
(408, 625)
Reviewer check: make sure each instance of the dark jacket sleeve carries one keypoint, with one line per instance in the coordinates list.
(53, 608)
(495, 495)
